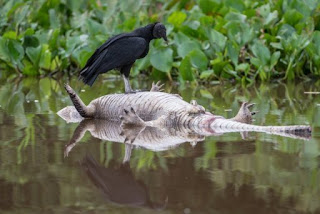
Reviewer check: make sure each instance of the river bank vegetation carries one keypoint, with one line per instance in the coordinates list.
(209, 40)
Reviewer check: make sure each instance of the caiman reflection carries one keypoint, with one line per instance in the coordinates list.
(119, 185)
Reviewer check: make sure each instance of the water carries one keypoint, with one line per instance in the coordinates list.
(222, 174)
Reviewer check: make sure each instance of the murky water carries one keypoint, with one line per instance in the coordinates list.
(222, 174)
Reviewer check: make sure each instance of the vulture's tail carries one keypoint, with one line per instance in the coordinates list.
(88, 76)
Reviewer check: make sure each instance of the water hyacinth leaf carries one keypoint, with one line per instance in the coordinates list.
(233, 51)
(271, 18)
(54, 20)
(274, 58)
(180, 38)
(276, 45)
(45, 58)
(232, 16)
(218, 40)
(185, 48)
(94, 27)
(74, 5)
(130, 6)
(292, 17)
(4, 52)
(261, 52)
(16, 51)
(10, 35)
(206, 74)
(29, 69)
(208, 6)
(316, 40)
(53, 42)
(21, 13)
(198, 59)
(256, 62)
(185, 69)
(268, 16)
(177, 18)
(218, 65)
(245, 67)
(241, 32)
(34, 54)
(162, 59)
(236, 4)
(30, 41)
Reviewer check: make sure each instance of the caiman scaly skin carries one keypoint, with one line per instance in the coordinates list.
(158, 109)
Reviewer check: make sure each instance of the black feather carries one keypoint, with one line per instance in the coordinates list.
(119, 52)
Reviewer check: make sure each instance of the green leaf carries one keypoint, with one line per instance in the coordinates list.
(261, 52)
(180, 38)
(218, 40)
(233, 51)
(206, 74)
(162, 59)
(256, 62)
(208, 6)
(185, 69)
(276, 45)
(198, 59)
(245, 67)
(74, 5)
(4, 51)
(45, 58)
(274, 58)
(54, 20)
(236, 4)
(10, 35)
(292, 17)
(232, 16)
(177, 18)
(34, 55)
(30, 41)
(185, 48)
(16, 51)
(240, 32)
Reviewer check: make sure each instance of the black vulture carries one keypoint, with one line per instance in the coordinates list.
(120, 52)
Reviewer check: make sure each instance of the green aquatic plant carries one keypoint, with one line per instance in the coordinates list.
(209, 39)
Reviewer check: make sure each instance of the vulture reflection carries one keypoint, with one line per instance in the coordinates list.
(119, 185)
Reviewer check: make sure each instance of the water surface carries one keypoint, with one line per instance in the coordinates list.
(223, 174)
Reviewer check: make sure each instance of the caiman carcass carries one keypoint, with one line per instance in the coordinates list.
(158, 109)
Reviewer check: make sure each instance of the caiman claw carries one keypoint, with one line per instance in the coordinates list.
(130, 117)
(157, 87)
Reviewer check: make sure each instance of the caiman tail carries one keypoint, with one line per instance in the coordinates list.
(226, 125)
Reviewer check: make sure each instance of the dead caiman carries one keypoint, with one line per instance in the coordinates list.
(159, 109)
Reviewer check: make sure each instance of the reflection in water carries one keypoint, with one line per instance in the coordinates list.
(119, 184)
(224, 174)
(232, 181)
(152, 138)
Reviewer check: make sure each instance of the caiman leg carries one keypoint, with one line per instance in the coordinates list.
(244, 114)
(129, 118)
(83, 110)
(156, 87)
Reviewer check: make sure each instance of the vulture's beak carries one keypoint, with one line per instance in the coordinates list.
(165, 39)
